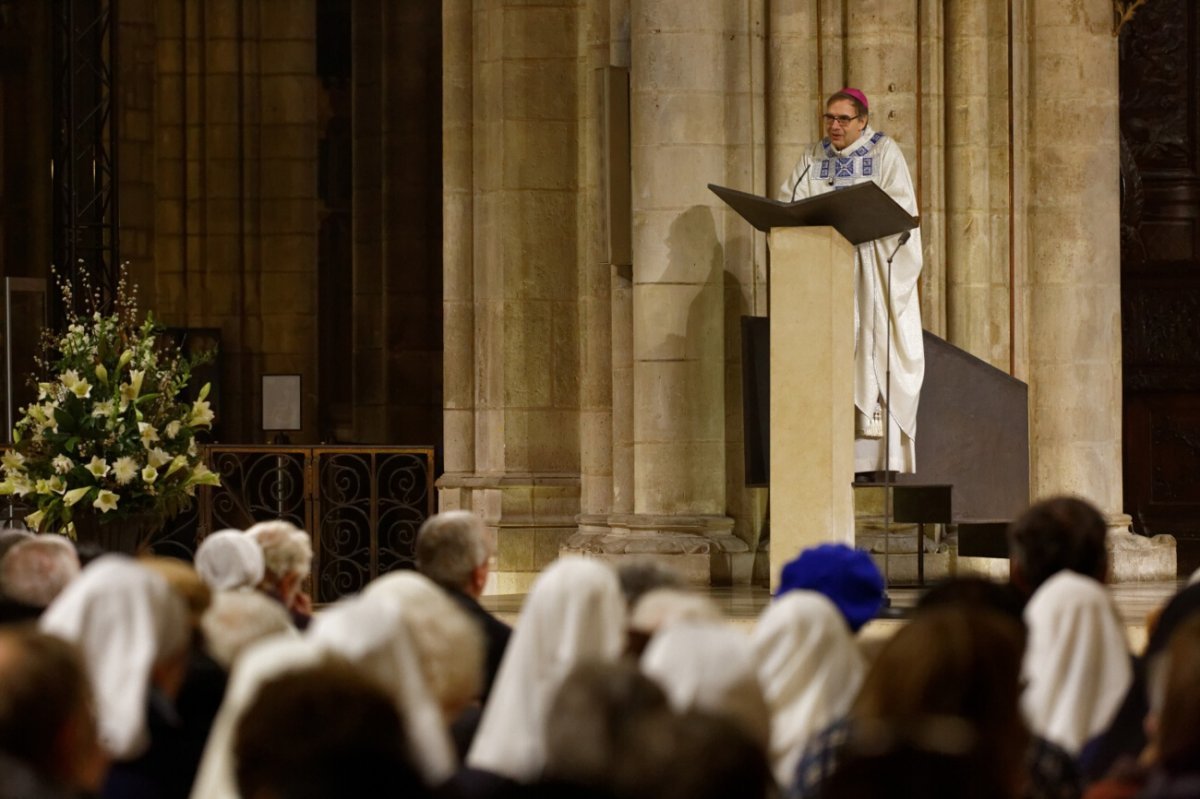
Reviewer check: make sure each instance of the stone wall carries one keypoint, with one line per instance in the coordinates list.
(727, 91)
(219, 199)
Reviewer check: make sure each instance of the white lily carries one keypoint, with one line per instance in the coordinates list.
(74, 495)
(157, 457)
(201, 415)
(105, 501)
(148, 433)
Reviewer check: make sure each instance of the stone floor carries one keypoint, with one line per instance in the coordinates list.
(741, 605)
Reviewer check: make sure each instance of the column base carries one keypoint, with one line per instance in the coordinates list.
(702, 549)
(529, 515)
(1135, 558)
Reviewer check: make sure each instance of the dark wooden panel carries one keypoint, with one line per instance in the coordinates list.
(1162, 474)
(1158, 74)
(1160, 269)
(1170, 240)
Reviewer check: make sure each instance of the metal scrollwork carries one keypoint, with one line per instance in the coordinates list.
(362, 506)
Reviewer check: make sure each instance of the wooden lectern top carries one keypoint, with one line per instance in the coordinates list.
(864, 212)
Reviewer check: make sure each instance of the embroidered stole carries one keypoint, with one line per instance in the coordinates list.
(846, 170)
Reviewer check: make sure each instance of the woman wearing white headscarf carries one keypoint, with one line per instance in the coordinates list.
(1077, 662)
(370, 632)
(574, 612)
(449, 644)
(710, 668)
(255, 668)
(127, 621)
(230, 559)
(810, 670)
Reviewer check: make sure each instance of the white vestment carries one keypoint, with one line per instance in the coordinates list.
(821, 168)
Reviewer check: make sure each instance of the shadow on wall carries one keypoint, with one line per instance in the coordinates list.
(691, 403)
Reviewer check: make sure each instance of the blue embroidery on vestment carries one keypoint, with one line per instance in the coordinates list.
(845, 167)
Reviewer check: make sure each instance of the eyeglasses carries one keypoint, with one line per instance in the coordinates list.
(844, 120)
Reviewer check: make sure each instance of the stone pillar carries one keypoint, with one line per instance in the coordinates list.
(524, 475)
(678, 84)
(976, 169)
(794, 99)
(1074, 265)
(881, 59)
(621, 287)
(595, 300)
(458, 290)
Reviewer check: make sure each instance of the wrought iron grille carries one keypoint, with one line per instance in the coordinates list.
(362, 506)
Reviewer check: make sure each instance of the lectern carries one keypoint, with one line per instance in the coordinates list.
(812, 243)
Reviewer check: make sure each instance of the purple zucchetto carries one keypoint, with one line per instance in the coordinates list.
(857, 95)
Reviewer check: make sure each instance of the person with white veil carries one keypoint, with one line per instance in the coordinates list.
(1077, 663)
(229, 559)
(710, 668)
(369, 631)
(255, 668)
(448, 644)
(133, 630)
(810, 669)
(574, 612)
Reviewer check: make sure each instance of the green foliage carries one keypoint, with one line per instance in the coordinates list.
(109, 431)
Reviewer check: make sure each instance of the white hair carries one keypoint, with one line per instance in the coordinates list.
(286, 548)
(237, 619)
(230, 559)
(37, 569)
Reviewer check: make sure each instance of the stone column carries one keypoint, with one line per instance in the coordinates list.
(793, 96)
(596, 388)
(678, 84)
(976, 169)
(881, 59)
(458, 294)
(1074, 265)
(621, 287)
(524, 473)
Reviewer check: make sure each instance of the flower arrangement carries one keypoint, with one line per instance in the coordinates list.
(108, 434)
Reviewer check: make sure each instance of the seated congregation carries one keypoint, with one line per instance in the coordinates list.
(152, 677)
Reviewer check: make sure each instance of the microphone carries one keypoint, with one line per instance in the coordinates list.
(904, 237)
(797, 185)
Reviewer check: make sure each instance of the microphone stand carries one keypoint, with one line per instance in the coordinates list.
(887, 424)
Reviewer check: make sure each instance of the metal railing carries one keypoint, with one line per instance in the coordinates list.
(361, 505)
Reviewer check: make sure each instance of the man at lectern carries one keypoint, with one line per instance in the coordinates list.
(850, 153)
